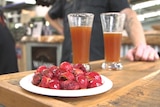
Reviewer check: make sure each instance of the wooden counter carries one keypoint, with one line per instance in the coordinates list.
(152, 38)
(44, 39)
(137, 85)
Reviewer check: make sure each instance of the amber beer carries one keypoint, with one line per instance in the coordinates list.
(112, 45)
(80, 28)
(112, 25)
(80, 43)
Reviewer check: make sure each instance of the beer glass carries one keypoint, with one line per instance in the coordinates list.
(80, 29)
(112, 25)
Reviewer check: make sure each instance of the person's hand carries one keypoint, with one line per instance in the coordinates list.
(142, 53)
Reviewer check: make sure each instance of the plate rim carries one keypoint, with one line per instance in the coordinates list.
(26, 84)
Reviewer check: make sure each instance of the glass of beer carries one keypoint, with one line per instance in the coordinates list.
(112, 25)
(80, 29)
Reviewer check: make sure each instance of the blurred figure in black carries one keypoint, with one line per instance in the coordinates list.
(61, 8)
(45, 2)
(8, 59)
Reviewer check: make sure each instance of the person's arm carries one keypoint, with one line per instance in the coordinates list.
(134, 27)
(54, 23)
(142, 51)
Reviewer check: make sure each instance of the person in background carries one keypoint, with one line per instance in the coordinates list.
(8, 58)
(61, 8)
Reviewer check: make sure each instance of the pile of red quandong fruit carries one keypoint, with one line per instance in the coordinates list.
(66, 76)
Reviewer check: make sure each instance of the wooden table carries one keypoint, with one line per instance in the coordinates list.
(150, 39)
(137, 85)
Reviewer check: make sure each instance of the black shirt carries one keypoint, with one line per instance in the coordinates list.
(62, 8)
(8, 59)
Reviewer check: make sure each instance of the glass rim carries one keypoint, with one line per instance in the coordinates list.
(113, 13)
(77, 14)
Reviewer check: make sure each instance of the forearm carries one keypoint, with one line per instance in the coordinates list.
(55, 24)
(134, 28)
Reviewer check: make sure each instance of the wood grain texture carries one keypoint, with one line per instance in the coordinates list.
(44, 39)
(137, 85)
(151, 40)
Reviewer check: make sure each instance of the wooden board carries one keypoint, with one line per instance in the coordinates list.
(136, 85)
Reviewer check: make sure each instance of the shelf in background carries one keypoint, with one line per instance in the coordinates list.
(17, 6)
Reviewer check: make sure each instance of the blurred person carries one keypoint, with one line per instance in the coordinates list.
(61, 8)
(8, 58)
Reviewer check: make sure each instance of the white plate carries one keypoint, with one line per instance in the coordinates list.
(26, 83)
